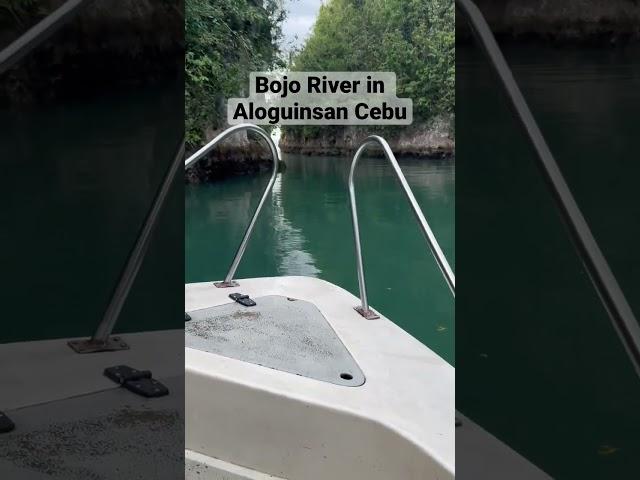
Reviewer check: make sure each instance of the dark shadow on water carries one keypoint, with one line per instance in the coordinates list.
(78, 179)
(538, 362)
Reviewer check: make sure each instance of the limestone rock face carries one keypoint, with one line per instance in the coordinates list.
(236, 155)
(432, 139)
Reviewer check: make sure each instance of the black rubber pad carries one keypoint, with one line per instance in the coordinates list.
(123, 373)
(6, 425)
(147, 387)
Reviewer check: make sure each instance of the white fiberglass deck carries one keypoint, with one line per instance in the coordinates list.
(71, 422)
(256, 422)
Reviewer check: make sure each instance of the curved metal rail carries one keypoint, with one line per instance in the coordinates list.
(441, 260)
(228, 280)
(102, 340)
(602, 278)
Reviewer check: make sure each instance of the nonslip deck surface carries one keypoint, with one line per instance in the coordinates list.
(109, 434)
(279, 332)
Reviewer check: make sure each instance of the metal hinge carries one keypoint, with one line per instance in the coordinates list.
(242, 299)
(136, 381)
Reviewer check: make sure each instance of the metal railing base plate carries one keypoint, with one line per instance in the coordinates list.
(112, 344)
(368, 314)
(230, 284)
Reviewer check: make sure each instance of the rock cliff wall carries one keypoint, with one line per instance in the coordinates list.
(435, 139)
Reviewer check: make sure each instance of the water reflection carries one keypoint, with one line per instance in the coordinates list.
(293, 259)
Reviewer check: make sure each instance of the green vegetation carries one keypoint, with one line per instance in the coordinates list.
(225, 41)
(414, 38)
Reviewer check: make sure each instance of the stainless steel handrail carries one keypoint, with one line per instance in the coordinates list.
(441, 260)
(602, 278)
(101, 340)
(228, 279)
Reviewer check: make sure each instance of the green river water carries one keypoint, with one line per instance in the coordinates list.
(78, 178)
(538, 362)
(305, 229)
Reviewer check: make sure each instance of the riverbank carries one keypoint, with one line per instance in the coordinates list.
(598, 22)
(236, 155)
(431, 140)
(243, 155)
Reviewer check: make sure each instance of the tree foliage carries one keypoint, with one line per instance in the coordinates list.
(413, 38)
(225, 40)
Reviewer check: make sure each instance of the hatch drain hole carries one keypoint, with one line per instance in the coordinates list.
(346, 376)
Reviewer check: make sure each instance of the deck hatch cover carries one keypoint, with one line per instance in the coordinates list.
(280, 333)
